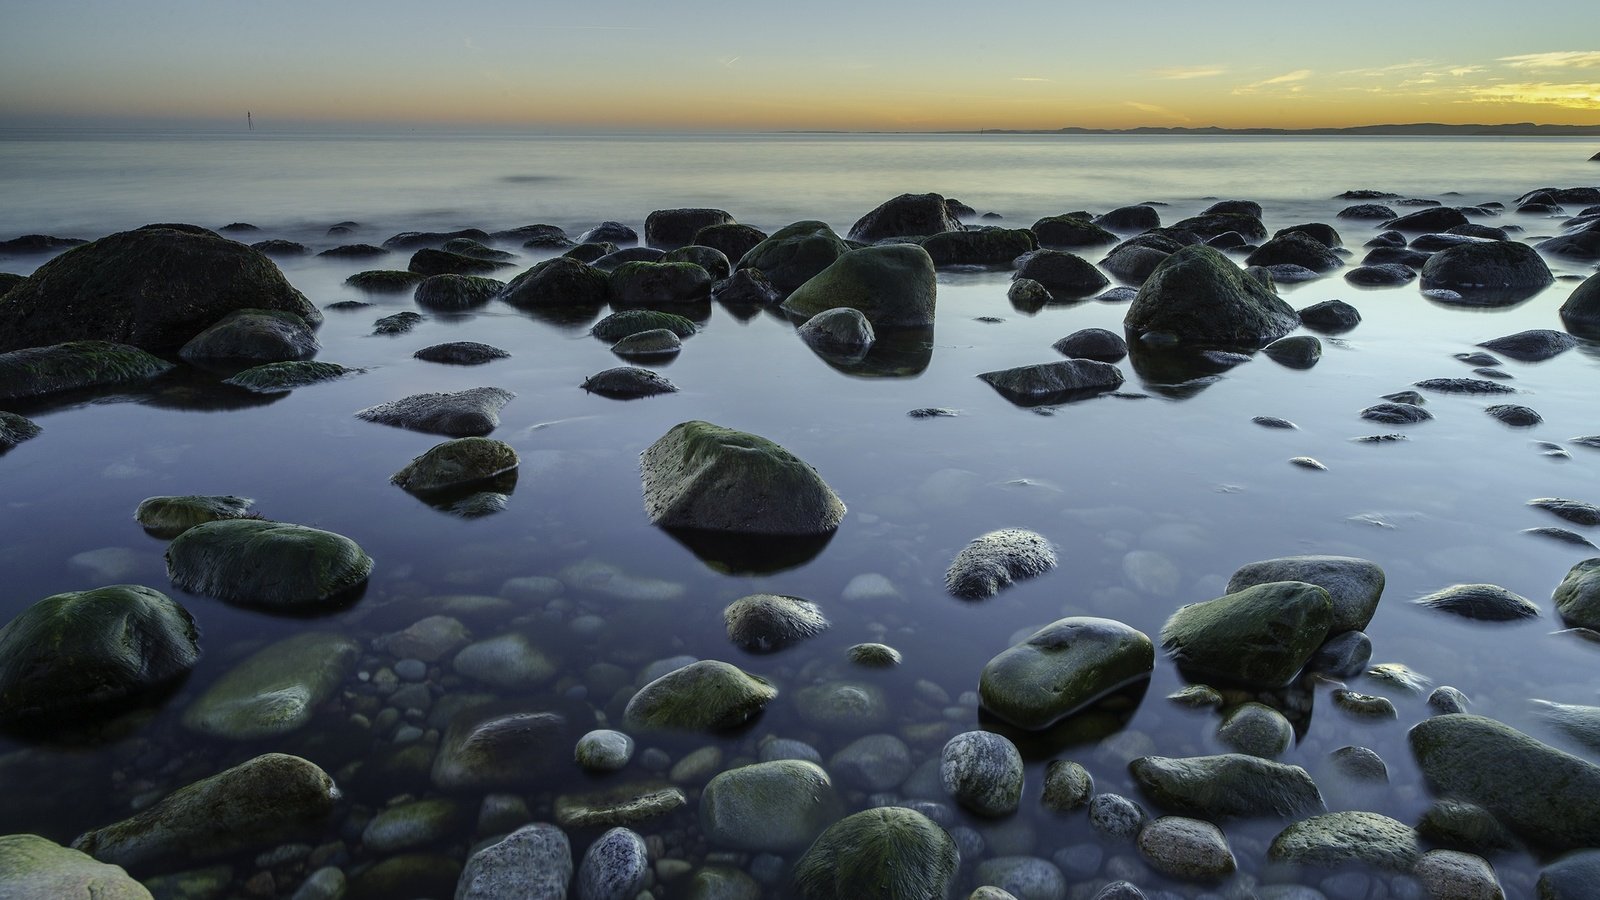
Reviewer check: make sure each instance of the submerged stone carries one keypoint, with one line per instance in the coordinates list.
(31, 866)
(533, 862)
(79, 364)
(1230, 785)
(841, 330)
(280, 377)
(461, 353)
(253, 805)
(500, 746)
(769, 807)
(703, 476)
(706, 695)
(658, 343)
(275, 690)
(1354, 585)
(82, 651)
(1063, 668)
(475, 411)
(628, 322)
(997, 560)
(168, 517)
(268, 564)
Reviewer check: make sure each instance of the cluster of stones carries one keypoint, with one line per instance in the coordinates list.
(1282, 624)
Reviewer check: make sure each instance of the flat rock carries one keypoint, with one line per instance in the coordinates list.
(267, 564)
(168, 517)
(461, 353)
(281, 377)
(475, 411)
(1464, 386)
(1344, 838)
(1230, 785)
(1056, 382)
(1484, 602)
(275, 690)
(628, 383)
(37, 371)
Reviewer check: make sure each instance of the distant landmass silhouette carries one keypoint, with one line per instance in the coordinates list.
(1515, 129)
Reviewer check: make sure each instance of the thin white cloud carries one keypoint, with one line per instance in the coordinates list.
(1034, 78)
(1566, 96)
(1459, 71)
(1289, 78)
(1184, 73)
(1389, 70)
(1555, 59)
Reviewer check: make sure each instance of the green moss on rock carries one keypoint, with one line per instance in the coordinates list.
(275, 690)
(891, 853)
(706, 695)
(37, 371)
(280, 377)
(168, 517)
(704, 476)
(267, 564)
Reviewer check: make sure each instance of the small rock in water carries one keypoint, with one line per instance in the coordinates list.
(656, 344)
(1067, 786)
(1186, 849)
(1411, 397)
(1446, 700)
(472, 412)
(1564, 535)
(1273, 422)
(1306, 462)
(766, 622)
(1575, 511)
(932, 412)
(982, 771)
(628, 383)
(876, 656)
(1380, 438)
(1401, 676)
(1514, 415)
(461, 353)
(1396, 413)
(1330, 316)
(1532, 346)
(1464, 386)
(399, 323)
(995, 560)
(1300, 351)
(1484, 602)
(1478, 359)
(1114, 815)
(615, 867)
(1256, 729)
(1360, 764)
(1499, 374)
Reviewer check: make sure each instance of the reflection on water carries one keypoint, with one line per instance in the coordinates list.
(1152, 504)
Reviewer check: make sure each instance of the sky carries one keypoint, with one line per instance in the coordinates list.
(754, 65)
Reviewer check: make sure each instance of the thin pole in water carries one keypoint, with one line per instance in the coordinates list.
(249, 122)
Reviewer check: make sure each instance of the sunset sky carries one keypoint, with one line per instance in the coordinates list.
(820, 64)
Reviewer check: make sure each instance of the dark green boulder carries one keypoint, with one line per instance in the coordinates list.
(37, 371)
(281, 377)
(703, 476)
(267, 564)
(794, 253)
(892, 285)
(708, 695)
(889, 853)
(558, 282)
(1062, 668)
(1261, 636)
(168, 517)
(255, 335)
(1199, 296)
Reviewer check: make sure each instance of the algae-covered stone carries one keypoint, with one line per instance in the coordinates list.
(763, 622)
(1581, 311)
(1200, 297)
(1486, 265)
(453, 464)
(628, 383)
(497, 746)
(460, 353)
(982, 771)
(168, 517)
(1064, 275)
(657, 343)
(1354, 585)
(890, 853)
(276, 689)
(1577, 597)
(154, 288)
(841, 330)
(1546, 796)
(908, 215)
(892, 285)
(628, 804)
(472, 412)
(997, 560)
(1054, 382)
(37, 371)
(410, 825)
(770, 807)
(979, 247)
(790, 256)
(33, 867)
(603, 750)
(257, 335)
(79, 651)
(628, 322)
(1072, 231)
(706, 695)
(384, 281)
(430, 262)
(1062, 668)
(556, 283)
(15, 429)
(650, 284)
(1230, 785)
(703, 476)
(1345, 838)
(250, 806)
(1067, 786)
(509, 661)
(1261, 636)
(1256, 729)
(279, 377)
(267, 564)
(732, 239)
(451, 293)
(532, 863)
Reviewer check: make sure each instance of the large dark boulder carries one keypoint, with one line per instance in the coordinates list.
(1064, 275)
(1200, 297)
(272, 565)
(1209, 224)
(673, 228)
(1130, 219)
(1261, 636)
(733, 239)
(558, 282)
(1489, 265)
(794, 253)
(1431, 219)
(908, 215)
(1582, 243)
(1071, 231)
(1297, 249)
(154, 288)
(703, 476)
(1581, 312)
(652, 284)
(980, 246)
(892, 285)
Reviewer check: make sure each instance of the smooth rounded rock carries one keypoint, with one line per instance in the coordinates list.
(765, 622)
(33, 867)
(888, 853)
(1201, 297)
(703, 476)
(892, 285)
(705, 695)
(1228, 785)
(776, 807)
(982, 771)
(267, 564)
(276, 690)
(1345, 838)
(1062, 668)
(455, 463)
(533, 862)
(615, 867)
(1354, 585)
(604, 750)
(1186, 849)
(1260, 636)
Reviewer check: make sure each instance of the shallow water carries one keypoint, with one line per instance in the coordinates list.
(1180, 478)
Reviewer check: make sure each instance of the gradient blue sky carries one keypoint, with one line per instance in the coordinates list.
(821, 64)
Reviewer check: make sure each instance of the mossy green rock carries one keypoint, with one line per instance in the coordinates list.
(648, 284)
(31, 866)
(384, 281)
(1229, 785)
(407, 875)
(1544, 795)
(168, 517)
(712, 260)
(1486, 265)
(253, 805)
(1354, 585)
(77, 651)
(414, 824)
(770, 807)
(78, 364)
(795, 253)
(704, 476)
(500, 745)
(892, 285)
(275, 690)
(456, 292)
(629, 322)
(1071, 231)
(1346, 838)
(702, 696)
(267, 564)
(1577, 597)
(1200, 297)
(281, 377)
(556, 283)
(1261, 636)
(455, 463)
(15, 429)
(653, 344)
(979, 247)
(154, 288)
(256, 335)
(890, 853)
(1062, 668)
(429, 262)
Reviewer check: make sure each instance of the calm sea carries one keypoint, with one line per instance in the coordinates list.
(1152, 502)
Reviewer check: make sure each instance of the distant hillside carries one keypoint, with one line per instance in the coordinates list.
(1516, 129)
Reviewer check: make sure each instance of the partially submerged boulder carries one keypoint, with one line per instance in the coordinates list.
(257, 335)
(1577, 597)
(995, 560)
(704, 476)
(1229, 785)
(650, 284)
(556, 283)
(267, 564)
(772, 807)
(82, 651)
(472, 412)
(628, 383)
(449, 293)
(153, 288)
(1054, 382)
(672, 228)
(1065, 275)
(979, 247)
(281, 377)
(892, 285)
(168, 517)
(457, 463)
(1486, 266)
(708, 695)
(1581, 311)
(15, 429)
(37, 371)
(628, 322)
(790, 256)
(1261, 636)
(1063, 668)
(908, 215)
(1198, 296)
